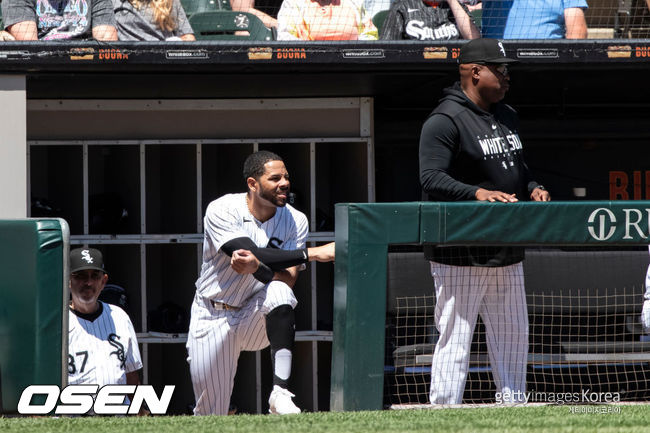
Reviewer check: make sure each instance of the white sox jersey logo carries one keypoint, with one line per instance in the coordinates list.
(113, 340)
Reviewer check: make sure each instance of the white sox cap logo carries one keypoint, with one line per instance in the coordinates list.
(503, 50)
(85, 254)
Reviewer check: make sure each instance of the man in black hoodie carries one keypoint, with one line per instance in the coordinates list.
(470, 150)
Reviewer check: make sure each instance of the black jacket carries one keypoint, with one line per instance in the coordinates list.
(464, 148)
(413, 19)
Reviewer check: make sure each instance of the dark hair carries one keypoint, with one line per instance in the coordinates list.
(254, 164)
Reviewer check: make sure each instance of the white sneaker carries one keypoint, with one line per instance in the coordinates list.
(280, 402)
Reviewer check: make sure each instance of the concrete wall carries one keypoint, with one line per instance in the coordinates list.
(13, 155)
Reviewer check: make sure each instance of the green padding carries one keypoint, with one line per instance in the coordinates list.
(364, 231)
(382, 223)
(534, 223)
(31, 312)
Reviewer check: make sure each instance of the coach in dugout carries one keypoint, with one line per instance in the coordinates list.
(470, 150)
(102, 345)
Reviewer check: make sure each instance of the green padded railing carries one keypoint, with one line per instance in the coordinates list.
(33, 306)
(364, 231)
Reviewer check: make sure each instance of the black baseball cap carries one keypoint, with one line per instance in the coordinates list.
(86, 258)
(484, 50)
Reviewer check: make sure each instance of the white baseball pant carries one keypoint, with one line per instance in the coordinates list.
(216, 337)
(498, 295)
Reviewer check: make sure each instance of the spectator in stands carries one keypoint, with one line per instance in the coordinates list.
(429, 20)
(373, 7)
(323, 20)
(534, 19)
(30, 20)
(152, 20)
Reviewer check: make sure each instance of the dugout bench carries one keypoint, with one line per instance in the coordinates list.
(364, 232)
(583, 309)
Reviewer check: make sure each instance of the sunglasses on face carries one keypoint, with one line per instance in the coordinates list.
(501, 68)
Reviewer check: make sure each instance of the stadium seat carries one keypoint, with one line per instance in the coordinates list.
(192, 7)
(229, 25)
(609, 19)
(477, 16)
(378, 19)
(622, 19)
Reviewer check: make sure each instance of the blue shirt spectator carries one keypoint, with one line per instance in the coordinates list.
(534, 19)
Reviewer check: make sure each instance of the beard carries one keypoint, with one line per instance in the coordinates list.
(270, 195)
(85, 296)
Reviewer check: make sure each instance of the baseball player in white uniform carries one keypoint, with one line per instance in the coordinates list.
(645, 312)
(470, 150)
(252, 252)
(102, 345)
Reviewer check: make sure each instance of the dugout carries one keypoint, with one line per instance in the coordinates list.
(156, 131)
(584, 332)
(586, 309)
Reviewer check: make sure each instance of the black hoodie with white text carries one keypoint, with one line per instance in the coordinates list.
(464, 148)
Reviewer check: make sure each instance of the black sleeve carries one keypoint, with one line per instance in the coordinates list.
(393, 27)
(438, 145)
(274, 258)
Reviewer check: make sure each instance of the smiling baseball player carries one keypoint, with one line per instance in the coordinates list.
(252, 252)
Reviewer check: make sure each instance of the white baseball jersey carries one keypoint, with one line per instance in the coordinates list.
(102, 351)
(217, 336)
(645, 311)
(228, 218)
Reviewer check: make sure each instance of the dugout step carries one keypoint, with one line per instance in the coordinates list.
(422, 354)
(574, 352)
(606, 347)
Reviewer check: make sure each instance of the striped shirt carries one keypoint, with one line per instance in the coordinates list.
(103, 350)
(228, 218)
